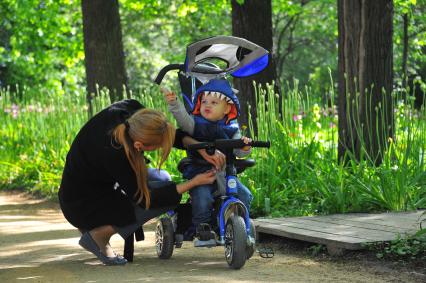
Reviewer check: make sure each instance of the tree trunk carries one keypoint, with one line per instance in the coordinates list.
(405, 51)
(348, 46)
(365, 78)
(103, 47)
(252, 20)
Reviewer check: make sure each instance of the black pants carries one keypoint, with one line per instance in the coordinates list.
(156, 179)
(142, 216)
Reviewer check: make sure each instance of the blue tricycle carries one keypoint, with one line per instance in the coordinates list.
(213, 58)
(235, 230)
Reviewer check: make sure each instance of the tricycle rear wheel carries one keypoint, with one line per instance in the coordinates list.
(164, 238)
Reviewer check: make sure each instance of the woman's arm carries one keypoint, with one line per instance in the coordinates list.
(201, 179)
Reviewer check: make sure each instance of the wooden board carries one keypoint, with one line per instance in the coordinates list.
(344, 231)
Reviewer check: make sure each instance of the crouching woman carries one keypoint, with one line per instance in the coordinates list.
(106, 186)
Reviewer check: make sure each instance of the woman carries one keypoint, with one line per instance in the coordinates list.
(104, 187)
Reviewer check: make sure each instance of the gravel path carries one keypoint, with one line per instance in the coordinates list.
(38, 245)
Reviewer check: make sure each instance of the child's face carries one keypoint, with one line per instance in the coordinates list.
(213, 108)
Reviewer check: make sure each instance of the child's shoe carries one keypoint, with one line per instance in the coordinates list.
(204, 232)
(205, 236)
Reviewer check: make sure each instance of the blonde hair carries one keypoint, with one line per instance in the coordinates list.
(149, 127)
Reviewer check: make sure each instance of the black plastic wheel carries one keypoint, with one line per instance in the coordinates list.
(251, 247)
(235, 242)
(164, 238)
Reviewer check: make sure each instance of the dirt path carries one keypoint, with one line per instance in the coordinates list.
(38, 245)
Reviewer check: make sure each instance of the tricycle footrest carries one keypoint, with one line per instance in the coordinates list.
(206, 244)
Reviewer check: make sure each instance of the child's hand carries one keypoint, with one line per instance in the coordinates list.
(246, 141)
(168, 95)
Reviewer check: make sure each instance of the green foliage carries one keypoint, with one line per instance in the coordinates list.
(37, 134)
(305, 38)
(416, 11)
(300, 174)
(403, 248)
(34, 144)
(156, 33)
(41, 42)
(41, 45)
(317, 249)
(406, 248)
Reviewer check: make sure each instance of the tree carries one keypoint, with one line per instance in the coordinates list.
(305, 44)
(252, 20)
(285, 34)
(104, 56)
(365, 77)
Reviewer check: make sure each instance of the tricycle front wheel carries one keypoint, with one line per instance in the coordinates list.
(251, 247)
(235, 242)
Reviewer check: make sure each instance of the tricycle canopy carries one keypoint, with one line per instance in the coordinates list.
(222, 55)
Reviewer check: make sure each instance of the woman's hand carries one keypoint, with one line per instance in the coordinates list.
(205, 178)
(218, 159)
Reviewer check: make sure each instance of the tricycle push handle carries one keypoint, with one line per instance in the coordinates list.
(164, 70)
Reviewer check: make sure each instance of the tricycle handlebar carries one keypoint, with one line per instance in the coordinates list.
(223, 144)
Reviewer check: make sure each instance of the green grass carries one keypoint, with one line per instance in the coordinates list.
(299, 174)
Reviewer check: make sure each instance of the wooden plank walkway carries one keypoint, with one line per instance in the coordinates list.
(341, 232)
